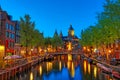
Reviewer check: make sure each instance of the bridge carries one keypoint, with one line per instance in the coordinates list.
(65, 53)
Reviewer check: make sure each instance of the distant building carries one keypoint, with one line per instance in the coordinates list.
(71, 42)
(17, 46)
(8, 33)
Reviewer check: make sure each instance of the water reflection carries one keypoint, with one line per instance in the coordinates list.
(68, 65)
(65, 67)
(31, 76)
(95, 71)
(60, 65)
(73, 70)
(40, 70)
(85, 66)
(69, 57)
(49, 66)
(89, 68)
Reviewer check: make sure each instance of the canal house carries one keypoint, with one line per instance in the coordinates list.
(9, 36)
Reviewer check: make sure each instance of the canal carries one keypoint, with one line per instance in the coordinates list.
(64, 67)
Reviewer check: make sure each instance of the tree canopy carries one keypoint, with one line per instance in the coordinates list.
(107, 30)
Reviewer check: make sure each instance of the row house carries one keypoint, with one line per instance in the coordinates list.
(9, 34)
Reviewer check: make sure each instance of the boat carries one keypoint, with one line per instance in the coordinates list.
(104, 68)
(116, 74)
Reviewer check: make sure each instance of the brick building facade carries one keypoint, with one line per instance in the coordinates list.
(9, 33)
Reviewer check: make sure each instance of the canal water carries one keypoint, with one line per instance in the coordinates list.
(64, 67)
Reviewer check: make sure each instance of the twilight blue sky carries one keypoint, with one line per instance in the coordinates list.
(56, 14)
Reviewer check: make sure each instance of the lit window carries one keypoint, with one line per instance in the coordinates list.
(72, 32)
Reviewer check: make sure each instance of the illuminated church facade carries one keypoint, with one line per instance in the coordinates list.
(71, 42)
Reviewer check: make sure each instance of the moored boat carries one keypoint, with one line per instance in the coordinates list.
(104, 68)
(116, 74)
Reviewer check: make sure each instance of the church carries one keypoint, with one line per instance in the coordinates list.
(71, 41)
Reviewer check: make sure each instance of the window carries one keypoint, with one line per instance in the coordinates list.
(13, 36)
(10, 35)
(7, 34)
(12, 28)
(7, 26)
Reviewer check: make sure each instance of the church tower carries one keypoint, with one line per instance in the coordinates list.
(71, 31)
(61, 35)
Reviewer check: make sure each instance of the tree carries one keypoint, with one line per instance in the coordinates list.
(56, 41)
(107, 30)
(26, 31)
(47, 42)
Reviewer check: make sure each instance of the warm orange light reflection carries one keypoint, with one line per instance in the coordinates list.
(60, 65)
(40, 70)
(49, 66)
(85, 66)
(31, 76)
(68, 65)
(73, 70)
(69, 57)
(89, 68)
(95, 71)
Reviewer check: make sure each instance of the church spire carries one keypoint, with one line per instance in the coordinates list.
(56, 33)
(61, 35)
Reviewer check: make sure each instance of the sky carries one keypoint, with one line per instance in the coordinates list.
(51, 15)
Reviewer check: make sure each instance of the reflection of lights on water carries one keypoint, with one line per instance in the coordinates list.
(31, 76)
(69, 57)
(84, 66)
(40, 70)
(49, 66)
(62, 57)
(73, 70)
(60, 65)
(95, 71)
(68, 64)
(89, 68)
